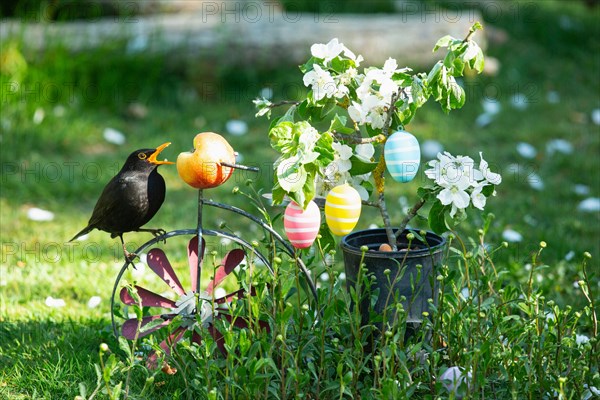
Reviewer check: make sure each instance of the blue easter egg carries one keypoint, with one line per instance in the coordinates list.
(402, 156)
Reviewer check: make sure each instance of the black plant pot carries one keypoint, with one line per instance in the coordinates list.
(405, 278)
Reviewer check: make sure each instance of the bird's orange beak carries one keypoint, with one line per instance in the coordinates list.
(152, 159)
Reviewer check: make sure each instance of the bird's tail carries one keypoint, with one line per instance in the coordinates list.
(85, 230)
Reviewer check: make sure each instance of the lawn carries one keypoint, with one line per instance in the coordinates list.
(543, 135)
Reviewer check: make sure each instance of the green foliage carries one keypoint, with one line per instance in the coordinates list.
(509, 339)
(328, 8)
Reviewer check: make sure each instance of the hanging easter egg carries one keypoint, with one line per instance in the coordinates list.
(342, 209)
(402, 156)
(302, 226)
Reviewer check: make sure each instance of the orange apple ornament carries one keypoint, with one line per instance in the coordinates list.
(202, 168)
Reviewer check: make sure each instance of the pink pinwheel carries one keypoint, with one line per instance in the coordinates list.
(186, 304)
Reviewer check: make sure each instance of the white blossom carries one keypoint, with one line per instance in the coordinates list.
(321, 81)
(328, 51)
(491, 177)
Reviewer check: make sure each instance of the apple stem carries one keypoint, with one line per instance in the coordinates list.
(242, 167)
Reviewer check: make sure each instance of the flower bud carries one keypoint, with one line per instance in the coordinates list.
(587, 255)
(235, 190)
(543, 244)
(410, 236)
(364, 249)
(103, 347)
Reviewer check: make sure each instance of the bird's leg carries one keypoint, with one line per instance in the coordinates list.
(155, 232)
(128, 256)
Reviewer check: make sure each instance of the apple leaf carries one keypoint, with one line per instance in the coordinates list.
(360, 166)
(338, 124)
(443, 42)
(436, 219)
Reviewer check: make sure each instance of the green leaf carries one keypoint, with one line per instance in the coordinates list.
(308, 65)
(488, 190)
(443, 42)
(282, 137)
(325, 149)
(457, 95)
(152, 324)
(327, 108)
(124, 345)
(478, 62)
(278, 194)
(338, 124)
(360, 166)
(327, 240)
(436, 219)
(434, 74)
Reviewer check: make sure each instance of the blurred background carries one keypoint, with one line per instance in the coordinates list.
(85, 83)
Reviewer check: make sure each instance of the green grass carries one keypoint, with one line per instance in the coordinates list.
(47, 352)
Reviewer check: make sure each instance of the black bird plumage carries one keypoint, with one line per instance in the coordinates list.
(131, 198)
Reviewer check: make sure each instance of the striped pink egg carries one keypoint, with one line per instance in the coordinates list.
(302, 226)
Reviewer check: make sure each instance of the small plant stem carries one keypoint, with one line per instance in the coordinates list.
(357, 138)
(379, 175)
(590, 299)
(283, 103)
(410, 215)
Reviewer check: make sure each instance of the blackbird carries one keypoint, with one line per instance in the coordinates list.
(131, 198)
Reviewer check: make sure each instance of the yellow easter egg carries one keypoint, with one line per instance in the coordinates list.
(342, 209)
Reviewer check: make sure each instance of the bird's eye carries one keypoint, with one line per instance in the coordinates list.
(142, 156)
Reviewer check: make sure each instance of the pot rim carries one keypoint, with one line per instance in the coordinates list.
(346, 247)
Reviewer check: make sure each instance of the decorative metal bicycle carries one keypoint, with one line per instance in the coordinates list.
(187, 307)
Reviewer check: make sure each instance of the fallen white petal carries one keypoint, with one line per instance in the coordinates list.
(373, 226)
(52, 302)
(510, 235)
(38, 116)
(453, 378)
(137, 44)
(529, 220)
(484, 120)
(553, 97)
(596, 116)
(591, 204)
(113, 136)
(342, 276)
(324, 277)
(519, 101)
(464, 293)
(535, 181)
(236, 127)
(37, 214)
(239, 158)
(431, 148)
(559, 146)
(526, 150)
(491, 107)
(570, 255)
(59, 111)
(582, 190)
(94, 302)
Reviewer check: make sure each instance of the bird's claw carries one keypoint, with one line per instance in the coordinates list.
(159, 232)
(129, 256)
